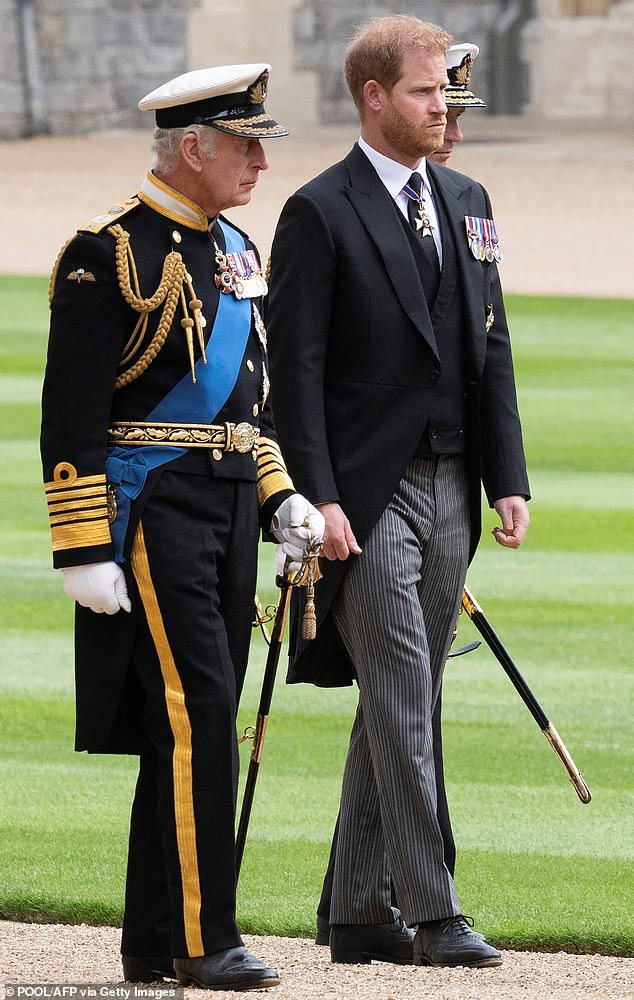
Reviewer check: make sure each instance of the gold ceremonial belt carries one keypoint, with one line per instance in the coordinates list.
(241, 437)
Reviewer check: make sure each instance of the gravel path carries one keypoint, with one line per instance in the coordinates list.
(51, 953)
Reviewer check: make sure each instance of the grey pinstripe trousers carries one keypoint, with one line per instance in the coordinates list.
(396, 611)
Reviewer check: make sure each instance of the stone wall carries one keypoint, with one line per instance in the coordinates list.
(11, 82)
(96, 58)
(580, 66)
(265, 35)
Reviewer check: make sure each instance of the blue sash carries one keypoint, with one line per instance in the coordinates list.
(187, 403)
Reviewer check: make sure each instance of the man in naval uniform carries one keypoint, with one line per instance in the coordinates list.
(160, 463)
(387, 322)
(458, 97)
(459, 62)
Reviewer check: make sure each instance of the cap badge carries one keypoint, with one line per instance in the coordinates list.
(460, 75)
(257, 91)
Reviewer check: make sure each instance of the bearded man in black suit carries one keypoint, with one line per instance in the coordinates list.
(394, 400)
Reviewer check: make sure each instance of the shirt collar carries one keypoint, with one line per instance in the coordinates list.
(394, 175)
(169, 202)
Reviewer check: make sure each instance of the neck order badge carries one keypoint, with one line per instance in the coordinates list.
(414, 190)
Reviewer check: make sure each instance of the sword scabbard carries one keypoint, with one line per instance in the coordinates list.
(561, 752)
(484, 627)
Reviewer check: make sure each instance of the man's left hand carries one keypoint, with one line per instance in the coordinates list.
(513, 513)
(295, 524)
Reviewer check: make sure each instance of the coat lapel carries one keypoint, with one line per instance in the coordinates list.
(456, 201)
(375, 208)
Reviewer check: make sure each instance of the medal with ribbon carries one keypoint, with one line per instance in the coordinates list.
(483, 239)
(239, 273)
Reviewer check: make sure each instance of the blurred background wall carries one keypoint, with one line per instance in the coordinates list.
(74, 66)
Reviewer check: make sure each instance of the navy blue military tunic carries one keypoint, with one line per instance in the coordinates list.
(168, 465)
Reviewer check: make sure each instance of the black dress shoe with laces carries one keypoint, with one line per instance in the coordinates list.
(231, 969)
(452, 942)
(323, 931)
(358, 944)
(147, 970)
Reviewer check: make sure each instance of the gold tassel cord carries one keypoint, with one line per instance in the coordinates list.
(306, 576)
(168, 292)
(196, 305)
(173, 269)
(164, 326)
(135, 340)
(187, 323)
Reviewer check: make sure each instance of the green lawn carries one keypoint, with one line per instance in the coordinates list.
(536, 868)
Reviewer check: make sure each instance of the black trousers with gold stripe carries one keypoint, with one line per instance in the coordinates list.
(193, 568)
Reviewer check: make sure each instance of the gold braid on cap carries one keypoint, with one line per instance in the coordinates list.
(169, 291)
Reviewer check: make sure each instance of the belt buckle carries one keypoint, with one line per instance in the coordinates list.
(240, 437)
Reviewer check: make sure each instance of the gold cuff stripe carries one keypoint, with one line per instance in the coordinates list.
(92, 503)
(265, 464)
(77, 483)
(267, 455)
(79, 536)
(182, 757)
(268, 444)
(275, 471)
(272, 474)
(80, 517)
(271, 484)
(78, 511)
(79, 498)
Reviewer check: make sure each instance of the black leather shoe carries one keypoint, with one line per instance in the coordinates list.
(358, 944)
(147, 970)
(231, 969)
(452, 942)
(323, 931)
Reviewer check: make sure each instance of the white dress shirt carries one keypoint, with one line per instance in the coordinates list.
(395, 176)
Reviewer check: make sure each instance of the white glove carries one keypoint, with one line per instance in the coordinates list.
(98, 586)
(295, 524)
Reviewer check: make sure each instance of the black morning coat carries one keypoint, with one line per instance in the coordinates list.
(354, 364)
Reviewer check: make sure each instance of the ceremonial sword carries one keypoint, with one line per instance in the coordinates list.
(304, 577)
(484, 627)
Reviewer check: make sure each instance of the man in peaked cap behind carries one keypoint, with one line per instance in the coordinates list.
(459, 62)
(160, 462)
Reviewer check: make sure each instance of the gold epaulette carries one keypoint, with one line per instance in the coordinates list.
(100, 222)
(272, 474)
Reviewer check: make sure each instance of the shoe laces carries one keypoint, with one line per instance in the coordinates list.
(462, 924)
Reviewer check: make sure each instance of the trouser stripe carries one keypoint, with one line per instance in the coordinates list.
(182, 754)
